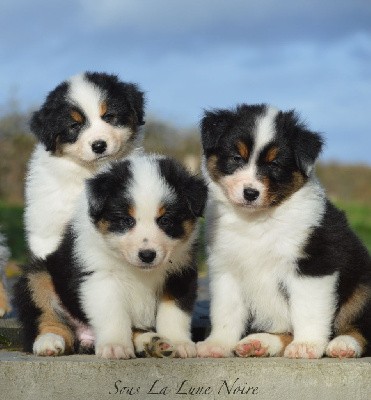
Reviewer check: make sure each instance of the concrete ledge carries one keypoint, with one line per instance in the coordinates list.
(25, 376)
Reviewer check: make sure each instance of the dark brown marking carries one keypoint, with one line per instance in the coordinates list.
(44, 297)
(103, 226)
(131, 211)
(271, 154)
(286, 339)
(276, 197)
(212, 167)
(77, 117)
(351, 309)
(188, 226)
(166, 297)
(243, 149)
(161, 211)
(102, 108)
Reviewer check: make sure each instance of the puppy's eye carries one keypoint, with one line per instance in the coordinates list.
(236, 158)
(75, 125)
(128, 221)
(109, 117)
(165, 221)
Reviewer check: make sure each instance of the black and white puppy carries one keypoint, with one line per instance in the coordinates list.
(84, 122)
(126, 265)
(288, 276)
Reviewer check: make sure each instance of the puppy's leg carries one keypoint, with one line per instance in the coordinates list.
(106, 308)
(4, 303)
(312, 307)
(350, 325)
(150, 344)
(54, 337)
(263, 345)
(228, 317)
(174, 312)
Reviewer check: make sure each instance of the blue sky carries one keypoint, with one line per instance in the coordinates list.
(314, 56)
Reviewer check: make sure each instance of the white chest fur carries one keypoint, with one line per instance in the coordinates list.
(52, 187)
(259, 253)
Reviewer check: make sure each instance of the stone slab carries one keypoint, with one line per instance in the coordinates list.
(81, 377)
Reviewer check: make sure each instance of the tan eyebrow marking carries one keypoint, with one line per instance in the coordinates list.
(243, 149)
(103, 108)
(131, 211)
(76, 116)
(271, 154)
(161, 211)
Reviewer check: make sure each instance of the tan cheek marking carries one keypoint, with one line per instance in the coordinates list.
(131, 211)
(43, 295)
(350, 310)
(188, 226)
(77, 117)
(103, 226)
(102, 108)
(166, 297)
(277, 197)
(212, 167)
(243, 149)
(271, 154)
(161, 211)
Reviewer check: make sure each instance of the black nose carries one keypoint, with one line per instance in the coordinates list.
(99, 146)
(147, 256)
(250, 194)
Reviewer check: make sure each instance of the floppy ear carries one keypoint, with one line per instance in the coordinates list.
(192, 188)
(49, 119)
(307, 145)
(307, 149)
(136, 99)
(213, 125)
(97, 191)
(107, 183)
(43, 129)
(195, 191)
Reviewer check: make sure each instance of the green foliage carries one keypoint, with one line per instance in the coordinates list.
(359, 216)
(11, 223)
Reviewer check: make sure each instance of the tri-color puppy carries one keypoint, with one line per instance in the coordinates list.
(288, 276)
(126, 265)
(84, 122)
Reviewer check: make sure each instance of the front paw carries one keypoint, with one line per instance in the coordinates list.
(309, 349)
(211, 349)
(344, 346)
(150, 344)
(49, 344)
(185, 349)
(115, 351)
(259, 345)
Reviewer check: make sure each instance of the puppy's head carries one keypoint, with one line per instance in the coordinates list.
(92, 116)
(146, 210)
(258, 155)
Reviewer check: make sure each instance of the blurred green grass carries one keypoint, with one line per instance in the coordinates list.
(11, 222)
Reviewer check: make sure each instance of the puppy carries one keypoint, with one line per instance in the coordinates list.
(125, 267)
(288, 276)
(84, 122)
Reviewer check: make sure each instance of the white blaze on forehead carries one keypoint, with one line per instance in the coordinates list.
(86, 95)
(264, 130)
(149, 189)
